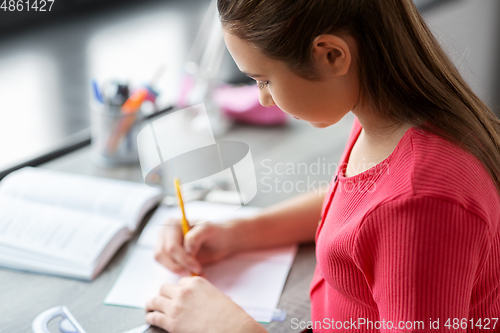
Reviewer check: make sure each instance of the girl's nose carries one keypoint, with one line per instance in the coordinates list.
(265, 98)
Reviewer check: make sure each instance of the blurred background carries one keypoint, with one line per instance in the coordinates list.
(48, 59)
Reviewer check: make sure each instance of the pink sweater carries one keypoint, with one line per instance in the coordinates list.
(414, 238)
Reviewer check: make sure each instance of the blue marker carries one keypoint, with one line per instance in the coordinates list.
(96, 91)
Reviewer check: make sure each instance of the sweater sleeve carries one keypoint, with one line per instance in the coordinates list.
(420, 257)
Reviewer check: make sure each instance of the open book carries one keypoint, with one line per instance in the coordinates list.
(65, 224)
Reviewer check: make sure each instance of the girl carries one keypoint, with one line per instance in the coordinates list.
(417, 239)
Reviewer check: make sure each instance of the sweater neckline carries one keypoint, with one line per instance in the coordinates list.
(374, 170)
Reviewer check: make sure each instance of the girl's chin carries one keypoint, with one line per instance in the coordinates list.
(319, 125)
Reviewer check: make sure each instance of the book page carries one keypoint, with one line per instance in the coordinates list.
(53, 234)
(117, 199)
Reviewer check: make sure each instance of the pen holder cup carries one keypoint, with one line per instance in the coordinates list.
(114, 136)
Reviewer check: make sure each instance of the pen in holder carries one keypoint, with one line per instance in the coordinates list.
(114, 135)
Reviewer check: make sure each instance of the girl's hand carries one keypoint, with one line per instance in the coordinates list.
(195, 305)
(204, 243)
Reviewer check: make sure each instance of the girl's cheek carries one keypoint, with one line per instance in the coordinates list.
(283, 106)
(278, 101)
(285, 101)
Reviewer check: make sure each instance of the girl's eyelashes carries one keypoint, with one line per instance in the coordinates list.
(262, 84)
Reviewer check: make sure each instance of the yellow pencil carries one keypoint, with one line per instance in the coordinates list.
(184, 222)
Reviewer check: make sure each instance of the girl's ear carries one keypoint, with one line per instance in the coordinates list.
(332, 53)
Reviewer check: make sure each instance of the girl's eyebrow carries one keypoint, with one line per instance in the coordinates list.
(252, 75)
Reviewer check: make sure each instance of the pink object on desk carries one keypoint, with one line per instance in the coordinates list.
(187, 85)
(242, 104)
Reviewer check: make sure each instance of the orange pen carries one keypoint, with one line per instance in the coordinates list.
(128, 109)
(133, 103)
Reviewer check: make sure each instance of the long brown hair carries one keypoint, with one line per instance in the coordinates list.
(403, 70)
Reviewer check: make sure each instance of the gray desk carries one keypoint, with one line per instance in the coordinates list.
(24, 295)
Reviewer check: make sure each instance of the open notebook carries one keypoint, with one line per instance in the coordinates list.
(254, 280)
(66, 224)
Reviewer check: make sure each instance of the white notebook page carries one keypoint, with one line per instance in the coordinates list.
(254, 280)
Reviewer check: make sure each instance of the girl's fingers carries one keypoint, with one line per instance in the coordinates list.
(158, 319)
(173, 248)
(168, 291)
(170, 253)
(169, 264)
(165, 259)
(158, 303)
(181, 258)
(195, 237)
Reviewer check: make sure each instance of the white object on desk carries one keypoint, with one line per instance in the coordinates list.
(254, 280)
(140, 329)
(68, 323)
